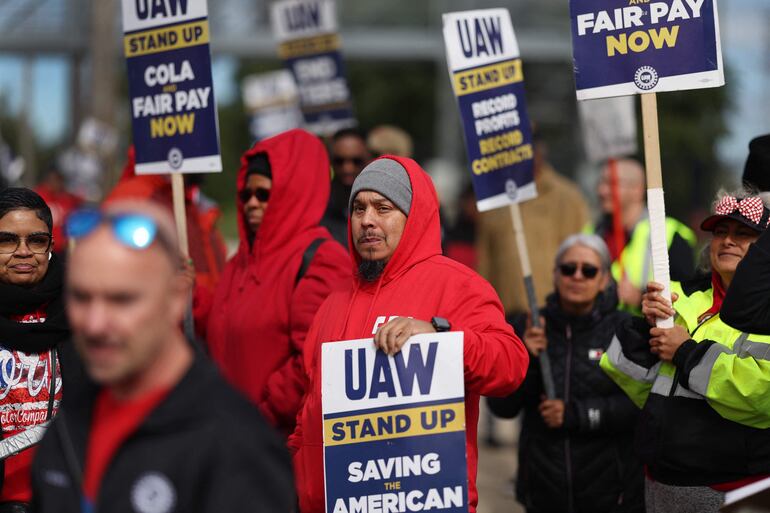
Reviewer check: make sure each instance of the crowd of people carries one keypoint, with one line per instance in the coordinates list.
(112, 405)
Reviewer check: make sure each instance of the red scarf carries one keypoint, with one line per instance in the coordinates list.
(719, 296)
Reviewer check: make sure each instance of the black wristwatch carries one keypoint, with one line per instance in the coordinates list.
(440, 324)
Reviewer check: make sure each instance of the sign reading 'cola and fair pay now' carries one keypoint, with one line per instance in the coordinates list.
(624, 47)
(394, 426)
(173, 113)
(487, 78)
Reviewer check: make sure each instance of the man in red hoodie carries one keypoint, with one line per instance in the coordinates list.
(403, 286)
(286, 265)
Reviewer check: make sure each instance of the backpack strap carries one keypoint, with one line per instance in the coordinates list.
(307, 258)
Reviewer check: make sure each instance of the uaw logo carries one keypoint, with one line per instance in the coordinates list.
(511, 189)
(646, 78)
(175, 158)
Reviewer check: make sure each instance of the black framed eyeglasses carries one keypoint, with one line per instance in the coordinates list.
(38, 242)
(587, 270)
(262, 194)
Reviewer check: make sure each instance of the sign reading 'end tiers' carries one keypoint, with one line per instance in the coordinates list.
(487, 78)
(394, 426)
(308, 43)
(624, 47)
(173, 112)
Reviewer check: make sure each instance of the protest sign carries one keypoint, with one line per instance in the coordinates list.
(394, 426)
(609, 128)
(623, 47)
(488, 81)
(487, 78)
(272, 101)
(308, 43)
(173, 111)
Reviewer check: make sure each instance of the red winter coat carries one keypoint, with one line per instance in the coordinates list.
(418, 282)
(260, 317)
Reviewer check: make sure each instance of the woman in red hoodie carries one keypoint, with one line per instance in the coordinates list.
(262, 309)
(403, 282)
(33, 328)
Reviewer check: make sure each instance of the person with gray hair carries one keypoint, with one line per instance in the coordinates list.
(575, 450)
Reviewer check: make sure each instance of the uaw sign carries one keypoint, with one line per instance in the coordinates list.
(487, 78)
(624, 47)
(394, 426)
(173, 112)
(308, 43)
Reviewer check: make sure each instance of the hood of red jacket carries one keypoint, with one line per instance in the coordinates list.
(422, 233)
(300, 188)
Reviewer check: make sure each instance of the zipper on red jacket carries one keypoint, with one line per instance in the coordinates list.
(567, 450)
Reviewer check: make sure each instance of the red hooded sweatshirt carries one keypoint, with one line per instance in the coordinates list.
(417, 282)
(260, 317)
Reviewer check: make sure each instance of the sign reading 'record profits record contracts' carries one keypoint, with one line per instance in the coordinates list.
(487, 78)
(394, 426)
(624, 47)
(306, 31)
(174, 115)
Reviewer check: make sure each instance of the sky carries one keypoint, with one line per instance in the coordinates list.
(745, 45)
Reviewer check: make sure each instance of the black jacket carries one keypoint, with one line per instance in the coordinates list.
(587, 465)
(747, 304)
(203, 449)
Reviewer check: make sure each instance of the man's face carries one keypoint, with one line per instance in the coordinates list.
(123, 305)
(377, 225)
(630, 187)
(349, 157)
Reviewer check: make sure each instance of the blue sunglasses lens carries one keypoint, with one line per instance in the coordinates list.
(135, 230)
(82, 222)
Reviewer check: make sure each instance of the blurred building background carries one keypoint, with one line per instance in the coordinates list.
(61, 64)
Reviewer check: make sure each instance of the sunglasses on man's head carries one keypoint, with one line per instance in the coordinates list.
(134, 230)
(587, 270)
(37, 243)
(262, 194)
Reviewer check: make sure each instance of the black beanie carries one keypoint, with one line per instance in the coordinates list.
(258, 165)
(757, 169)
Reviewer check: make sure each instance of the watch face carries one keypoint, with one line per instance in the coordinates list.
(440, 324)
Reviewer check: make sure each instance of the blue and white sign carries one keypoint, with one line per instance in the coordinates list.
(308, 43)
(394, 426)
(624, 47)
(487, 78)
(173, 112)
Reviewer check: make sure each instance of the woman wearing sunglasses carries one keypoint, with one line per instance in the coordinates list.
(703, 386)
(575, 450)
(33, 327)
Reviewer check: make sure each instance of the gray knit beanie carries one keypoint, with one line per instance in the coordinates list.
(387, 177)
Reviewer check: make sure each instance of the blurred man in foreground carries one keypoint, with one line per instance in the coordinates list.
(155, 428)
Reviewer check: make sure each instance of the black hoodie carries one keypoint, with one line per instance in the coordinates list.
(203, 449)
(587, 465)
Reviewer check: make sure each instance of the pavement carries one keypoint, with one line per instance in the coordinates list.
(497, 466)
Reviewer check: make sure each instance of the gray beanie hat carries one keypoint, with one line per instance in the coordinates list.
(387, 177)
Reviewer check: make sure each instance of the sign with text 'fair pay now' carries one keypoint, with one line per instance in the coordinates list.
(487, 78)
(394, 426)
(173, 112)
(624, 47)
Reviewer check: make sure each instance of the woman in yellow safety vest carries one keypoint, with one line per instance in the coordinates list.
(703, 386)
